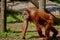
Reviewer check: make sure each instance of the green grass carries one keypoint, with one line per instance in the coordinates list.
(12, 17)
(3, 34)
(31, 24)
(9, 19)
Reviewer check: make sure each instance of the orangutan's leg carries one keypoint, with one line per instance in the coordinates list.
(24, 28)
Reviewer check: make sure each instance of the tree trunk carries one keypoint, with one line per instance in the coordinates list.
(41, 4)
(2, 16)
(35, 2)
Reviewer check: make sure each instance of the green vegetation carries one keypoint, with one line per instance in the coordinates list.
(3, 34)
(12, 33)
(57, 1)
(13, 16)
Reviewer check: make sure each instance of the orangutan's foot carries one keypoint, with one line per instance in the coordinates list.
(42, 36)
(23, 37)
(55, 34)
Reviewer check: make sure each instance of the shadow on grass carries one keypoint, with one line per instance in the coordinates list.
(56, 24)
(57, 38)
(19, 31)
(34, 37)
(17, 21)
(13, 31)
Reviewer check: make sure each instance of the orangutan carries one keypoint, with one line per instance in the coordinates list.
(39, 18)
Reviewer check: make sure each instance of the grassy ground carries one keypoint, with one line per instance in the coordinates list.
(14, 29)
